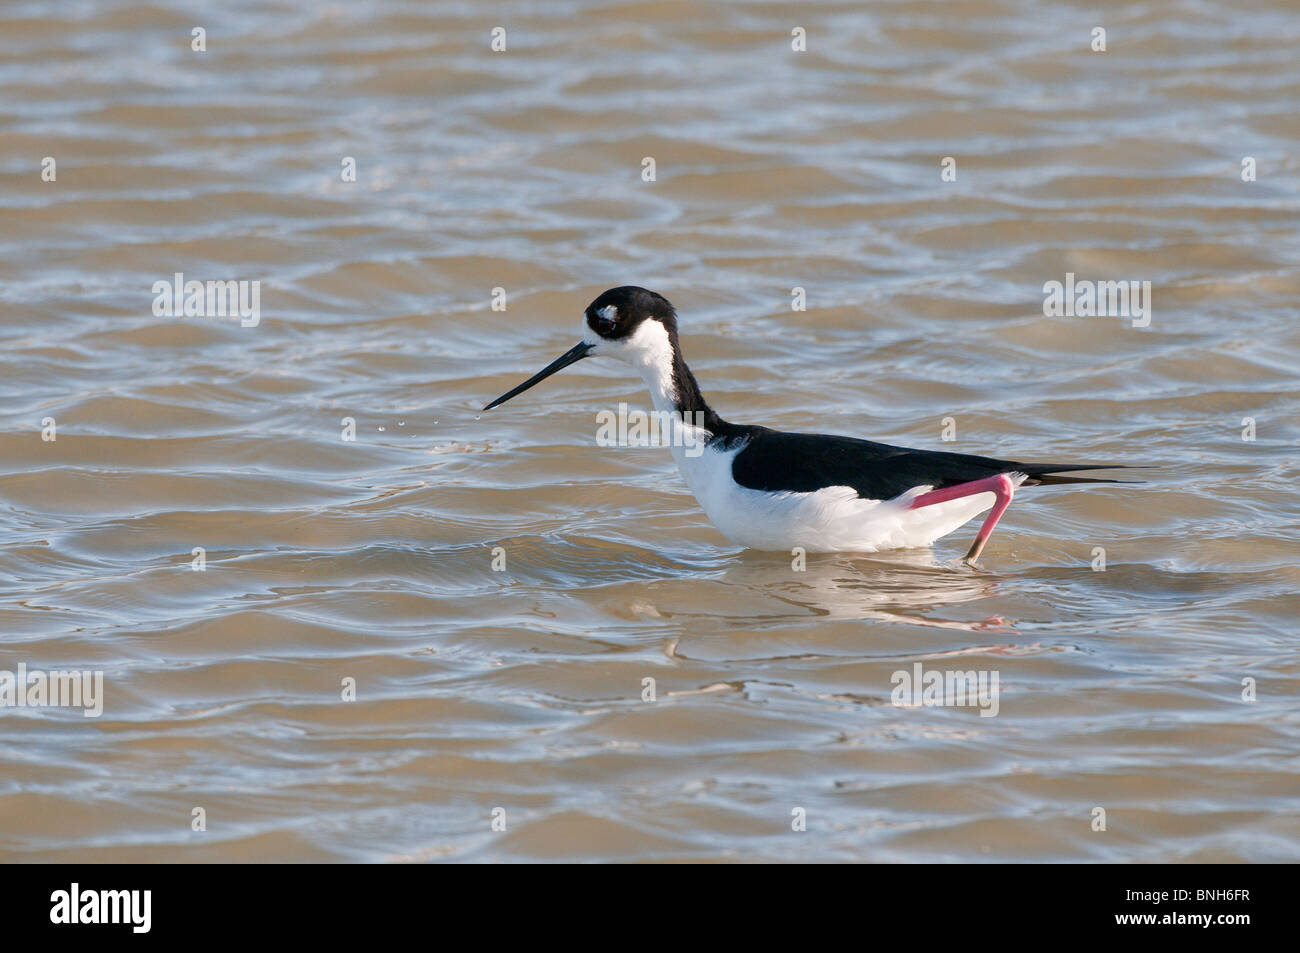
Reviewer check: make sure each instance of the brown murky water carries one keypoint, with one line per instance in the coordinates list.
(371, 559)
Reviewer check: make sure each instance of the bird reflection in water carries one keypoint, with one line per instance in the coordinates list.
(902, 586)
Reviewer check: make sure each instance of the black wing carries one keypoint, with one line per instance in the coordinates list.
(806, 462)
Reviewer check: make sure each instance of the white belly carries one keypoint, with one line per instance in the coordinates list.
(834, 519)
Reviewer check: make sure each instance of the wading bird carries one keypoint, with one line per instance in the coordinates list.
(771, 490)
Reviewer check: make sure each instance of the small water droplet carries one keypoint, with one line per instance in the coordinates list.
(401, 423)
(381, 428)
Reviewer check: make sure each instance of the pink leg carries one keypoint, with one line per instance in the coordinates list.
(1000, 486)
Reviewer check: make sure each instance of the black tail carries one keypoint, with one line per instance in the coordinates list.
(1047, 474)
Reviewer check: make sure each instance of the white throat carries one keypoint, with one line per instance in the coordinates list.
(654, 362)
(649, 350)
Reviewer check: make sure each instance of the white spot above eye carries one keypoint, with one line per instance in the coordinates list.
(609, 313)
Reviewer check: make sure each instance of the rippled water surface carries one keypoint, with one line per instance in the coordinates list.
(521, 689)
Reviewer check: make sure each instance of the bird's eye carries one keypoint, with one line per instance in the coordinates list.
(604, 320)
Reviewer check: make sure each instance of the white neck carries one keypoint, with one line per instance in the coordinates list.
(651, 352)
(652, 356)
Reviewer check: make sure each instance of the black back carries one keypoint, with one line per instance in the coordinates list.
(804, 462)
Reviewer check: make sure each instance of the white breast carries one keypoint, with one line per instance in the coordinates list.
(834, 519)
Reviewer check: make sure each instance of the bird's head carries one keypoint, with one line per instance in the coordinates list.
(629, 324)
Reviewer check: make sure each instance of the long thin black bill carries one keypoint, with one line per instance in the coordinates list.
(575, 353)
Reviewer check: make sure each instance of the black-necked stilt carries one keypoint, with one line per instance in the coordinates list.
(771, 490)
